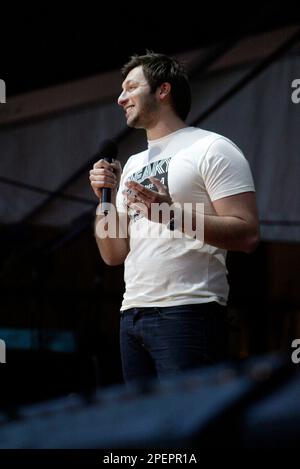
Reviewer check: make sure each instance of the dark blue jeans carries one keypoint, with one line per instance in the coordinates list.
(159, 342)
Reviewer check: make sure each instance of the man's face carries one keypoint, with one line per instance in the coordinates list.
(140, 105)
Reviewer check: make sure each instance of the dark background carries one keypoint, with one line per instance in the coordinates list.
(51, 44)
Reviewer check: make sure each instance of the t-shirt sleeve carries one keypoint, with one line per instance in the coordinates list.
(225, 170)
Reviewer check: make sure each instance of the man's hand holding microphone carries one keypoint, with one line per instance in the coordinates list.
(105, 175)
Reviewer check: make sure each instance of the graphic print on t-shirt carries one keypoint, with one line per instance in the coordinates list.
(157, 169)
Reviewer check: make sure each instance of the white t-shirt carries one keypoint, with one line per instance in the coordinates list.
(197, 166)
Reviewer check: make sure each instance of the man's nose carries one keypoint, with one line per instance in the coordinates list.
(122, 99)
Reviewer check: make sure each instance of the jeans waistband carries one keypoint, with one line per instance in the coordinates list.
(209, 306)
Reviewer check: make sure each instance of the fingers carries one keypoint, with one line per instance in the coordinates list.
(102, 176)
(102, 185)
(161, 188)
(137, 193)
(116, 165)
(103, 168)
(102, 164)
(100, 182)
(146, 195)
(133, 202)
(103, 172)
(131, 197)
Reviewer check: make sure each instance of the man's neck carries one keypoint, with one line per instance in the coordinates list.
(164, 128)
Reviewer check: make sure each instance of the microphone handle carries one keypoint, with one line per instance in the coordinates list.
(106, 194)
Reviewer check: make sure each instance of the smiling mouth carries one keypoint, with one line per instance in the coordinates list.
(129, 107)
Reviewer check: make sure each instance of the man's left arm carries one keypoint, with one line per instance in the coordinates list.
(235, 225)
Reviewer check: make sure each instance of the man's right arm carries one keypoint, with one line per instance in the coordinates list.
(113, 247)
(111, 231)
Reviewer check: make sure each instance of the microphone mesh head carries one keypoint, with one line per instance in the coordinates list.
(108, 149)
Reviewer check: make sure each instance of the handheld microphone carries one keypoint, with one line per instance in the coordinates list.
(108, 150)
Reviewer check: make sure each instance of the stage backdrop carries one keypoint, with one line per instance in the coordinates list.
(65, 126)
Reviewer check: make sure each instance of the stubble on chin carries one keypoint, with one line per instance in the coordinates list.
(132, 122)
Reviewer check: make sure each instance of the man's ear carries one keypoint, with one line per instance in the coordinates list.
(164, 90)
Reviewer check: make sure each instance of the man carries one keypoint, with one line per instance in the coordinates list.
(173, 315)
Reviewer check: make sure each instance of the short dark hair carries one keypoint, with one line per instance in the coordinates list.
(161, 68)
